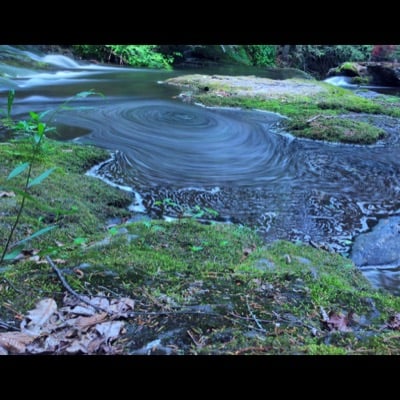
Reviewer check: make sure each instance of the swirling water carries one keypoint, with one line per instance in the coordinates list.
(239, 163)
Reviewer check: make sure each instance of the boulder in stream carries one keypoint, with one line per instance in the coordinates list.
(380, 246)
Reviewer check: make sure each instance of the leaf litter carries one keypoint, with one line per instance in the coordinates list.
(74, 328)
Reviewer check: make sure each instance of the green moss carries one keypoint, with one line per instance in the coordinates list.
(59, 199)
(349, 68)
(300, 105)
(323, 349)
(361, 80)
(258, 299)
(336, 129)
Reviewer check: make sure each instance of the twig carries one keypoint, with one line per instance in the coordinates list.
(313, 118)
(137, 313)
(7, 326)
(324, 315)
(261, 349)
(11, 284)
(248, 318)
(109, 290)
(254, 317)
(69, 288)
(319, 116)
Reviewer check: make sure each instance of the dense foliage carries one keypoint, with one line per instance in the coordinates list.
(318, 59)
(261, 55)
(313, 59)
(133, 55)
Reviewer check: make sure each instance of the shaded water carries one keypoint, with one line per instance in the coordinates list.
(239, 163)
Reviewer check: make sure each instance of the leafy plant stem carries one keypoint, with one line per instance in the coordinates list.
(21, 207)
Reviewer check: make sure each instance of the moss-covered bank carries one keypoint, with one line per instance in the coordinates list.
(198, 289)
(316, 110)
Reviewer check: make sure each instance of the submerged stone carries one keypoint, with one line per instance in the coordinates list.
(380, 246)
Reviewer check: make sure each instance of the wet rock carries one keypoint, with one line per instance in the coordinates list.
(376, 73)
(264, 264)
(379, 247)
(302, 260)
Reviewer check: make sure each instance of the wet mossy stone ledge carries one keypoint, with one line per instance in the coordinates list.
(315, 110)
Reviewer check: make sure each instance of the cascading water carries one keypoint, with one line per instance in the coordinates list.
(239, 163)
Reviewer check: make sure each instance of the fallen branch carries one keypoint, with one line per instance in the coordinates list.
(313, 118)
(69, 288)
(254, 317)
(324, 314)
(308, 121)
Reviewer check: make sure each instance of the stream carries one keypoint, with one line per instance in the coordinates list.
(238, 163)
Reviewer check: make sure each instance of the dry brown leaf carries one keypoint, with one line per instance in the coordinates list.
(35, 321)
(122, 305)
(110, 330)
(87, 311)
(100, 302)
(95, 345)
(76, 347)
(15, 342)
(86, 322)
(7, 194)
(339, 322)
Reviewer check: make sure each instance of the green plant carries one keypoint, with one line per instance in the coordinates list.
(37, 137)
(36, 129)
(141, 56)
(261, 55)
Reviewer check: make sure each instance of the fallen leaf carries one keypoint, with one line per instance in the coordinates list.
(100, 302)
(15, 342)
(121, 306)
(86, 322)
(76, 347)
(35, 321)
(339, 322)
(110, 329)
(81, 310)
(7, 194)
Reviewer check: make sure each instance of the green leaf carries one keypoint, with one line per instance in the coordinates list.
(13, 254)
(18, 170)
(87, 93)
(10, 101)
(198, 215)
(44, 113)
(41, 177)
(41, 128)
(196, 248)
(34, 116)
(211, 211)
(113, 231)
(38, 233)
(79, 240)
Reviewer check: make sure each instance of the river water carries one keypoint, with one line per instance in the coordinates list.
(238, 163)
